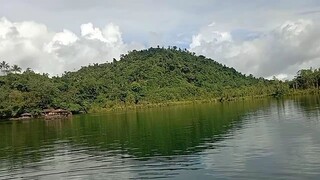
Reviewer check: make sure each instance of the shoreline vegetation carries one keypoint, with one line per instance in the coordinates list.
(140, 79)
(298, 93)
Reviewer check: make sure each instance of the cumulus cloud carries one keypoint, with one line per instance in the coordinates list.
(279, 52)
(30, 44)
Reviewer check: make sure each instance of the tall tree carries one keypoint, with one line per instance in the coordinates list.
(4, 66)
(15, 68)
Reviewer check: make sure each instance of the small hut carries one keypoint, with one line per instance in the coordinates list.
(47, 112)
(23, 116)
(26, 115)
(56, 113)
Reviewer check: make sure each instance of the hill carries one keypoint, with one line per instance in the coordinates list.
(155, 75)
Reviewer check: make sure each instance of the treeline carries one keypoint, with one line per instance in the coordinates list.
(155, 75)
(306, 79)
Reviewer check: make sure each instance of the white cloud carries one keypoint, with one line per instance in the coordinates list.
(62, 38)
(112, 34)
(280, 52)
(279, 76)
(30, 44)
(90, 32)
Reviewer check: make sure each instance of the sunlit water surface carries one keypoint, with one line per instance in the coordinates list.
(260, 139)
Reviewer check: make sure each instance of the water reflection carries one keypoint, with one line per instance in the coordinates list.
(245, 139)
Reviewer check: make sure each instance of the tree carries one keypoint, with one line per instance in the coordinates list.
(16, 68)
(4, 66)
(28, 70)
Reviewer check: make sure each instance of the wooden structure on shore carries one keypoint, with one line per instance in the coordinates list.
(56, 113)
(23, 116)
(46, 114)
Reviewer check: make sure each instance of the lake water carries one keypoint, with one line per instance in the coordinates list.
(260, 139)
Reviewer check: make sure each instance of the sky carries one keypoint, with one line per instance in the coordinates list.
(265, 38)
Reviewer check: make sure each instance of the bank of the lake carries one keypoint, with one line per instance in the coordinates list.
(123, 107)
(290, 94)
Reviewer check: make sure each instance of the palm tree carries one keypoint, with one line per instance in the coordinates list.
(4, 66)
(15, 68)
(28, 70)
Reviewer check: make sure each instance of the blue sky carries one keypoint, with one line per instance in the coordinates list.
(263, 37)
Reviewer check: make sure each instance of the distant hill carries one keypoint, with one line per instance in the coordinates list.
(157, 75)
(154, 75)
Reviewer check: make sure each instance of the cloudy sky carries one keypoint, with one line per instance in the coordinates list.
(263, 37)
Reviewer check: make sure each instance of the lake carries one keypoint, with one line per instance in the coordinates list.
(253, 139)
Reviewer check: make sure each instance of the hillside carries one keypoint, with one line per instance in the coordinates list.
(155, 75)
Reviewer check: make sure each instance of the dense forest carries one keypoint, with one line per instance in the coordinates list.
(151, 76)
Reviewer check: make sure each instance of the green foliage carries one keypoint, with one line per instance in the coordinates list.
(306, 79)
(155, 75)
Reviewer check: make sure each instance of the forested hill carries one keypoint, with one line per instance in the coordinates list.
(155, 75)
(158, 74)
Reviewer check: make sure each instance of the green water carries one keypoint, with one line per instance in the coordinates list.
(261, 139)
